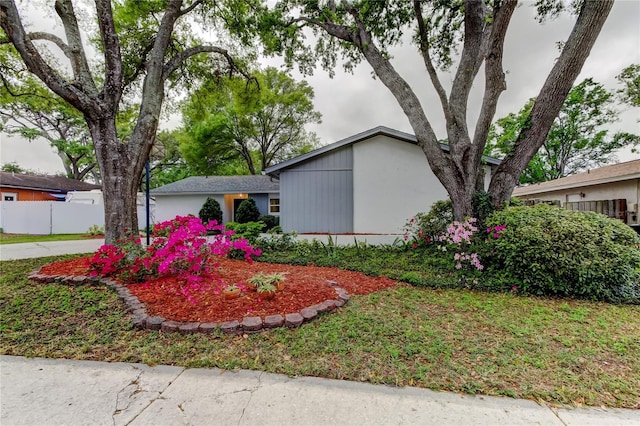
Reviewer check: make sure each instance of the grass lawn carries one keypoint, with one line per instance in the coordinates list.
(557, 351)
(27, 238)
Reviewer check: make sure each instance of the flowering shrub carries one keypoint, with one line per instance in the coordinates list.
(495, 231)
(460, 232)
(424, 228)
(179, 248)
(108, 260)
(414, 235)
(473, 259)
(460, 235)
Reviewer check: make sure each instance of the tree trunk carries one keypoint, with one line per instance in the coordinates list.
(552, 95)
(119, 184)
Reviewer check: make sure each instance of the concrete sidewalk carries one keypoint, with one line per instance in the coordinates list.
(37, 391)
(49, 248)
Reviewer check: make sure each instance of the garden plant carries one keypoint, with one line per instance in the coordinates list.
(179, 249)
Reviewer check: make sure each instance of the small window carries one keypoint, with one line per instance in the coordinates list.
(9, 196)
(274, 205)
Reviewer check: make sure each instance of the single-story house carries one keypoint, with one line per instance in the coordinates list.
(369, 183)
(187, 196)
(613, 190)
(20, 187)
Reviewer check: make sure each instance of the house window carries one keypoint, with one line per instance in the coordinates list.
(9, 196)
(274, 205)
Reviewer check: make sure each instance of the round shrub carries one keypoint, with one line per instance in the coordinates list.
(556, 252)
(210, 211)
(269, 221)
(247, 211)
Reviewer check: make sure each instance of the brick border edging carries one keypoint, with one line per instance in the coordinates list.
(141, 320)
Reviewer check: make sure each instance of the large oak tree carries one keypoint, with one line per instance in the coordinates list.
(259, 124)
(141, 45)
(366, 29)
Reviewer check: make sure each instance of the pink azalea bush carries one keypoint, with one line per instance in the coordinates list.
(464, 239)
(466, 235)
(179, 249)
(460, 237)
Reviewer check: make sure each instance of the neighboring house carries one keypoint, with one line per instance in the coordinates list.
(19, 187)
(187, 196)
(369, 183)
(613, 190)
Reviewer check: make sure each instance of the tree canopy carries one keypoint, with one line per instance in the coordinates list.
(578, 138)
(259, 123)
(144, 49)
(630, 80)
(353, 31)
(30, 110)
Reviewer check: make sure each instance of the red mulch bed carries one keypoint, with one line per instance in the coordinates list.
(305, 286)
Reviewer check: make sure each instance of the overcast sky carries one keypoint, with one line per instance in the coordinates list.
(351, 103)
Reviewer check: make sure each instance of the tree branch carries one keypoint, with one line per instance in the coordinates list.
(178, 59)
(405, 96)
(475, 24)
(112, 89)
(75, 53)
(552, 95)
(494, 75)
(12, 25)
(190, 8)
(426, 56)
(53, 39)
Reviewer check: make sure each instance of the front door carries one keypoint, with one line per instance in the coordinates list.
(236, 204)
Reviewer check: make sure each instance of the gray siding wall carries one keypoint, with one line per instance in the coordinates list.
(262, 202)
(317, 196)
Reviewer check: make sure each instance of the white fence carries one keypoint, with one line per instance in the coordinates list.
(55, 217)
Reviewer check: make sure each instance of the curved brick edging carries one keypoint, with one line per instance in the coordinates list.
(141, 320)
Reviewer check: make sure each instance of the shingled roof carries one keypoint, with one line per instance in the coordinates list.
(43, 183)
(606, 174)
(252, 184)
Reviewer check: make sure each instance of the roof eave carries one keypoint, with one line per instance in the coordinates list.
(376, 131)
(540, 190)
(178, 192)
(33, 188)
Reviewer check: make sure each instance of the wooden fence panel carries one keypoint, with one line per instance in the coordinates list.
(613, 208)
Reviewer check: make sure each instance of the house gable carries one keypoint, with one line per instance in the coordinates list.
(377, 131)
(392, 182)
(319, 193)
(386, 181)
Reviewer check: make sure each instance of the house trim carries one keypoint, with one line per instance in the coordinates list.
(376, 131)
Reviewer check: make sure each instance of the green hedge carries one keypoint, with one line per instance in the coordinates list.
(551, 251)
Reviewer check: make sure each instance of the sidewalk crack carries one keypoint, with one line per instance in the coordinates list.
(251, 392)
(153, 399)
(134, 383)
(555, 412)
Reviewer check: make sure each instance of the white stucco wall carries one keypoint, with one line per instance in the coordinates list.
(392, 181)
(170, 206)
